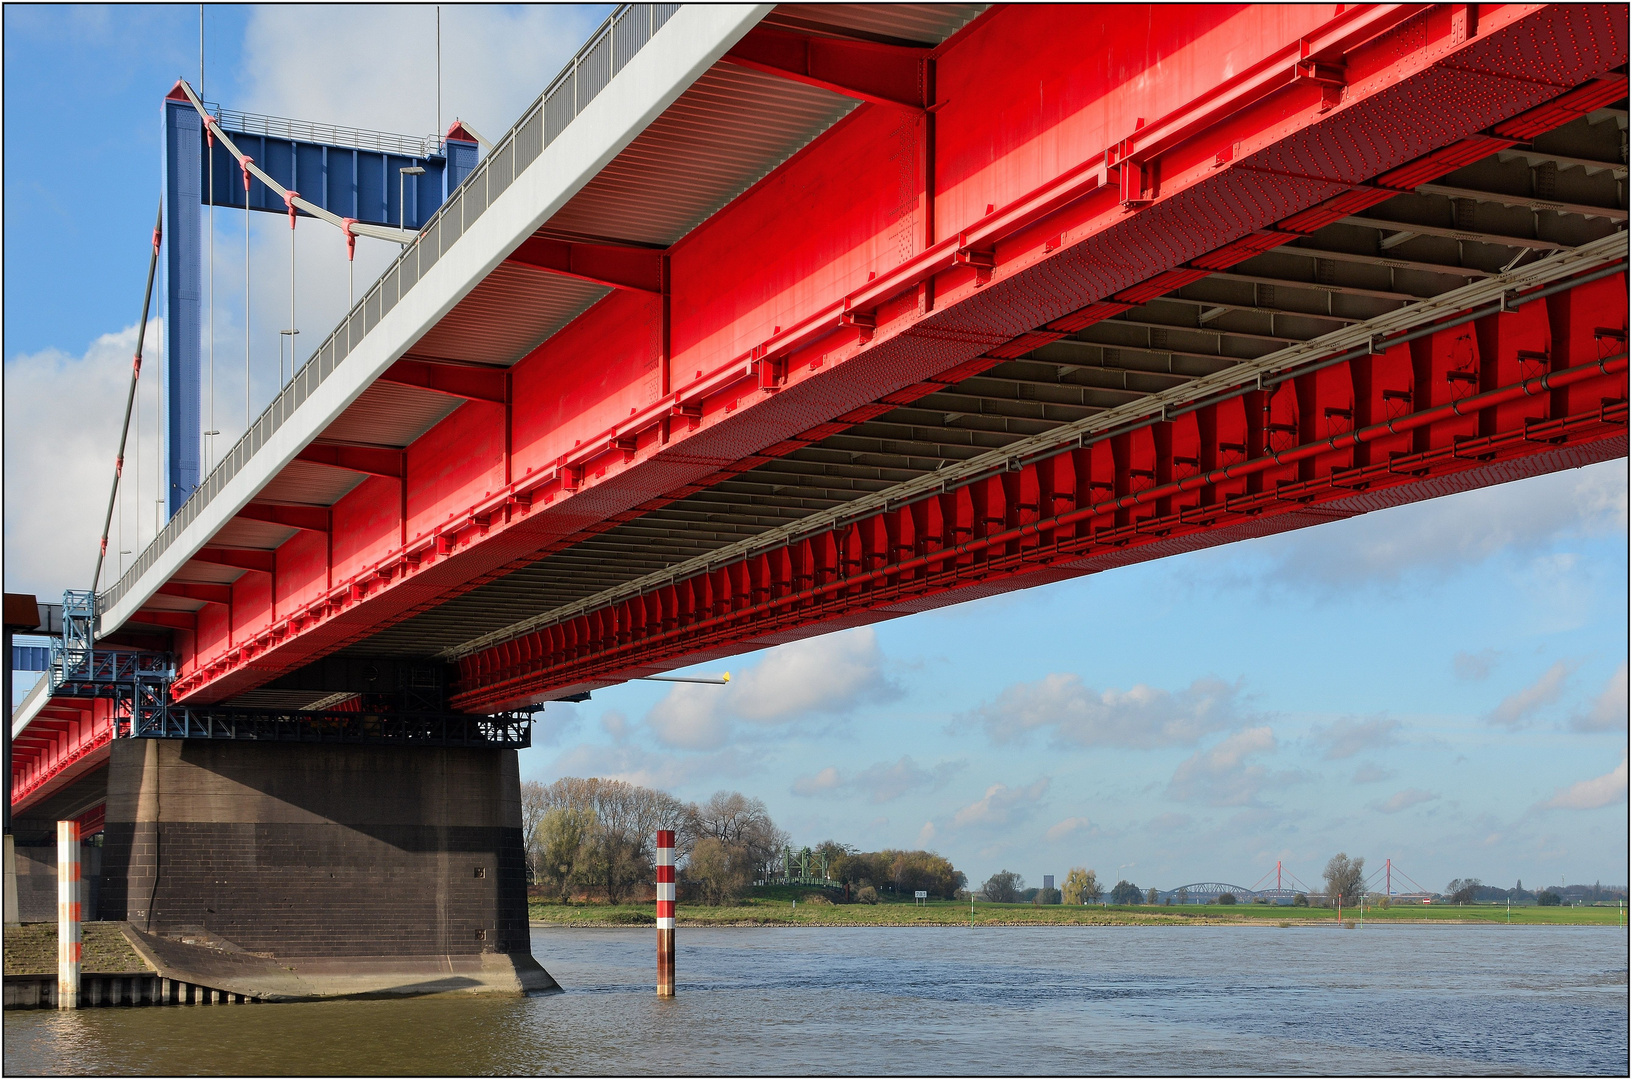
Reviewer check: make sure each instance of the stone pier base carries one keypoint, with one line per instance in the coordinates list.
(302, 870)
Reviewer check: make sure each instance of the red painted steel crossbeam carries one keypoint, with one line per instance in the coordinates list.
(898, 253)
(881, 74)
(1456, 407)
(66, 740)
(621, 267)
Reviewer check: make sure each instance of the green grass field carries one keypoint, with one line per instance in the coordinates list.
(774, 906)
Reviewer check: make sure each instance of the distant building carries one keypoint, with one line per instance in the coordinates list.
(1048, 881)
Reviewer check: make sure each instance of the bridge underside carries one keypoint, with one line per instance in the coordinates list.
(789, 363)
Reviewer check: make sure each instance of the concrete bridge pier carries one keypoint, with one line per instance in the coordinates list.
(314, 870)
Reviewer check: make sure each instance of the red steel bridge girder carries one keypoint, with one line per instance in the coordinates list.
(1062, 206)
(1538, 388)
(69, 738)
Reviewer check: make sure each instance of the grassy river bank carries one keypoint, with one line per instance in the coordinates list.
(775, 906)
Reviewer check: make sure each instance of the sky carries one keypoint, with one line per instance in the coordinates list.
(1443, 684)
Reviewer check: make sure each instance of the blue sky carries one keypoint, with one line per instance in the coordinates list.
(1441, 684)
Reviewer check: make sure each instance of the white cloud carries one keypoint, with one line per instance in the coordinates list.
(1142, 717)
(690, 717)
(882, 782)
(1224, 774)
(1404, 800)
(1517, 708)
(826, 780)
(926, 836)
(1605, 790)
(1170, 823)
(831, 675)
(615, 724)
(62, 418)
(1002, 805)
(555, 723)
(1372, 774)
(1349, 737)
(303, 61)
(1070, 827)
(1457, 531)
(667, 772)
(1609, 712)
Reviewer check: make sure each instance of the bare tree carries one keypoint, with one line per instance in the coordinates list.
(736, 820)
(721, 871)
(534, 803)
(622, 843)
(1345, 877)
(1461, 890)
(1003, 887)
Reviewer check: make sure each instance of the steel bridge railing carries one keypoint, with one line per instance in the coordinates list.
(625, 32)
(282, 127)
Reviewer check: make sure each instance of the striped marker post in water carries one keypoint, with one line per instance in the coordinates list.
(665, 913)
(68, 914)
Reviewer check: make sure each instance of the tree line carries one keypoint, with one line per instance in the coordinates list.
(1344, 878)
(1081, 886)
(902, 873)
(597, 837)
(589, 836)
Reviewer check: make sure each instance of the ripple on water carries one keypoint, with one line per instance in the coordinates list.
(1434, 999)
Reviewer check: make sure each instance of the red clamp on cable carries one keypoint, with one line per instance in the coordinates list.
(289, 201)
(351, 237)
(244, 163)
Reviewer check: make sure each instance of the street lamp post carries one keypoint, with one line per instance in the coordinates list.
(402, 191)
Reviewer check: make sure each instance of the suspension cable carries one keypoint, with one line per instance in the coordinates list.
(130, 398)
(243, 163)
(289, 199)
(346, 225)
(209, 148)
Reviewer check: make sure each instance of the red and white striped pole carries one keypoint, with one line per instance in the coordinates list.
(68, 941)
(665, 913)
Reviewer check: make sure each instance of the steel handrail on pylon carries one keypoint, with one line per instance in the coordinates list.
(624, 33)
(283, 127)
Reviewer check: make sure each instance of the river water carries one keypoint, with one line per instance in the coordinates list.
(1199, 999)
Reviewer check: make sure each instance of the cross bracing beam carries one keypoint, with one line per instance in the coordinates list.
(175, 620)
(192, 590)
(880, 73)
(466, 381)
(372, 460)
(257, 559)
(613, 265)
(317, 519)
